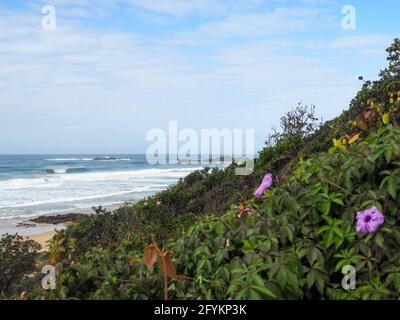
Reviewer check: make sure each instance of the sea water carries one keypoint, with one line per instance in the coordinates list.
(34, 185)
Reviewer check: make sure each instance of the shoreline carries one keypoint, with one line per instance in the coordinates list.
(43, 237)
(43, 232)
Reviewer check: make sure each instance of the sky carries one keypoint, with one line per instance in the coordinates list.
(110, 71)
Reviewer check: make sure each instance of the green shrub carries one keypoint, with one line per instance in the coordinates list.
(133, 224)
(302, 233)
(17, 260)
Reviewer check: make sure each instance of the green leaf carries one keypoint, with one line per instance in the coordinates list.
(326, 206)
(312, 255)
(219, 228)
(258, 280)
(329, 238)
(265, 291)
(337, 231)
(310, 279)
(388, 155)
(282, 277)
(241, 294)
(391, 188)
(320, 285)
(254, 295)
(379, 240)
(338, 201)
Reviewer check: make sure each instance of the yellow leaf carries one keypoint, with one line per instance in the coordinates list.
(53, 259)
(362, 125)
(167, 265)
(385, 118)
(392, 98)
(337, 143)
(150, 255)
(134, 260)
(354, 138)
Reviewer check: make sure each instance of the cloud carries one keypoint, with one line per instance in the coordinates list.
(96, 83)
(181, 8)
(175, 7)
(277, 22)
(167, 8)
(362, 41)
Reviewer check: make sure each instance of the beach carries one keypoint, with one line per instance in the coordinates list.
(42, 238)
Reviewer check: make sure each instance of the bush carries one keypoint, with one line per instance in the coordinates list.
(17, 260)
(133, 224)
(301, 234)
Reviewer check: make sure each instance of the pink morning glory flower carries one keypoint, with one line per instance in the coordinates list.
(370, 220)
(265, 184)
(158, 203)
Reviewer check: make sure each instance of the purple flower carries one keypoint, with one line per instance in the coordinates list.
(158, 203)
(370, 220)
(265, 184)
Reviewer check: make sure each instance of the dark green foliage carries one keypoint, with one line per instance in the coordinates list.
(303, 233)
(17, 260)
(206, 191)
(133, 224)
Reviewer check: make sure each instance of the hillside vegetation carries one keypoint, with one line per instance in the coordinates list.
(208, 237)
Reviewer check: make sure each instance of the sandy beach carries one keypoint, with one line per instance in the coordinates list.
(42, 238)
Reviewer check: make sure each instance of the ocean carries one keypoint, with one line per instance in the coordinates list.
(34, 185)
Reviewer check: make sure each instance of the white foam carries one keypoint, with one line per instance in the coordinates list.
(60, 171)
(71, 199)
(27, 196)
(53, 180)
(64, 159)
(88, 159)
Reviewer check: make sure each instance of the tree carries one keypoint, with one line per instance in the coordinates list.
(393, 70)
(300, 121)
